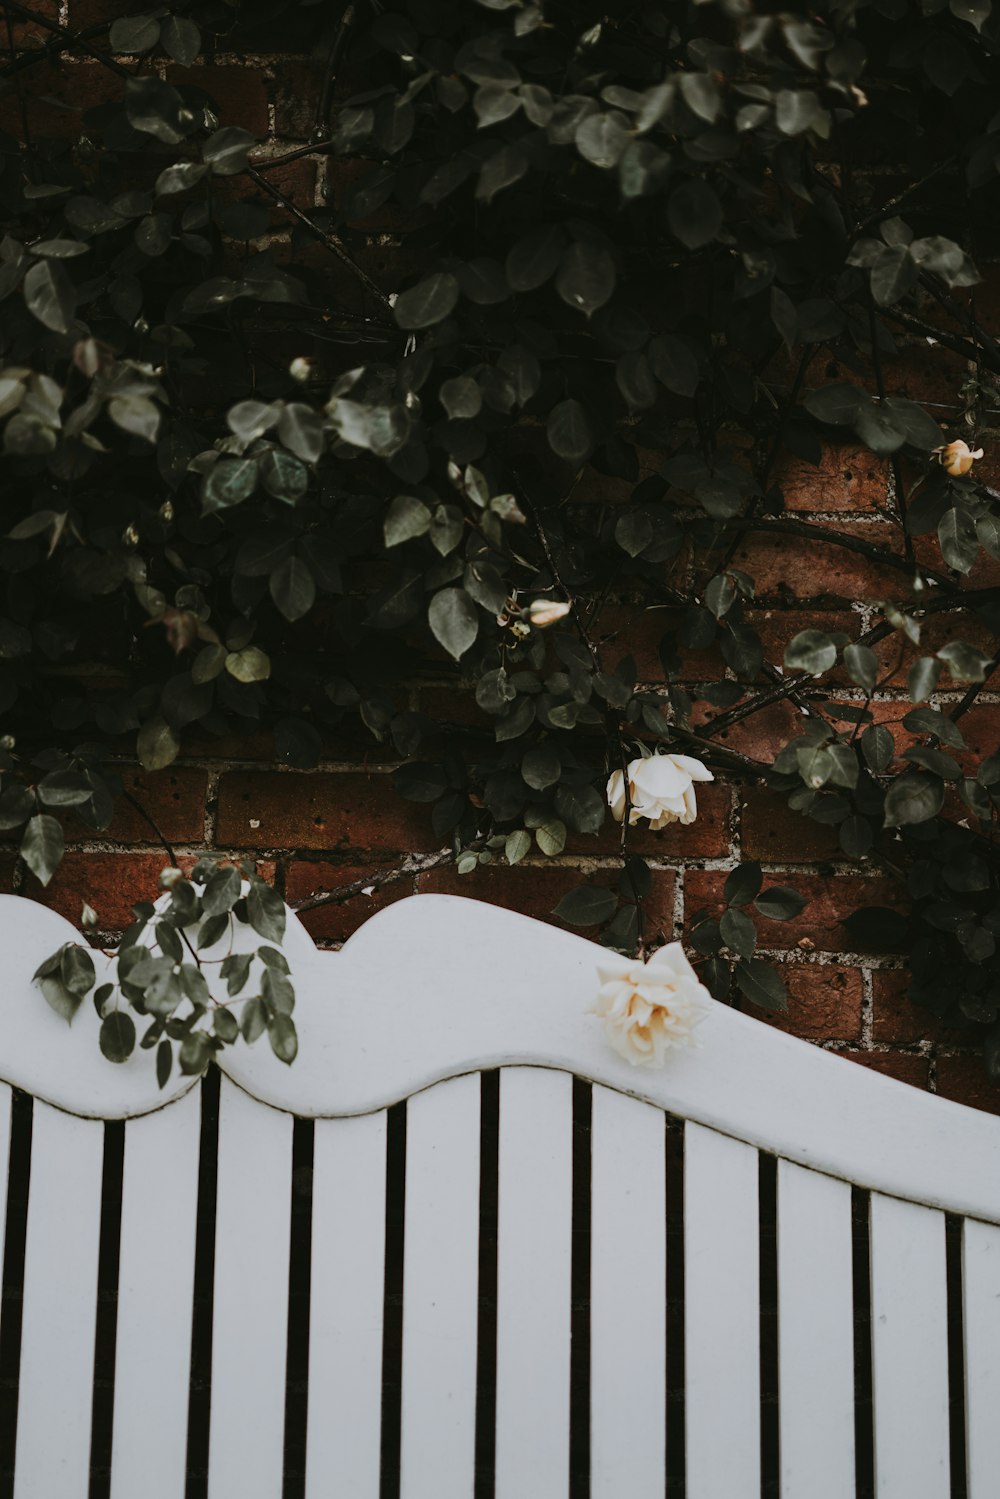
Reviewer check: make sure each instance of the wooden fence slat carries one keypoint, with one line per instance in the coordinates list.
(55, 1398)
(534, 1249)
(440, 1291)
(628, 1298)
(721, 1316)
(815, 1334)
(250, 1309)
(981, 1322)
(345, 1314)
(909, 1350)
(155, 1297)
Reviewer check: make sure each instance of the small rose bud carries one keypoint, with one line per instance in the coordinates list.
(957, 457)
(167, 511)
(88, 917)
(542, 612)
(170, 877)
(300, 369)
(7, 742)
(130, 536)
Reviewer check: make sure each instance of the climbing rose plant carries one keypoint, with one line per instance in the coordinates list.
(257, 489)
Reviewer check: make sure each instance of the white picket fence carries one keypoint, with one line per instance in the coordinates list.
(426, 998)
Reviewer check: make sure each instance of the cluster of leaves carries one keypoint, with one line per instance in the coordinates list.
(636, 260)
(163, 967)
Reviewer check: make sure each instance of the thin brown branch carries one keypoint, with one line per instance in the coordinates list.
(411, 865)
(69, 38)
(325, 236)
(810, 531)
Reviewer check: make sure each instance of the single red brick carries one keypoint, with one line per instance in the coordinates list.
(777, 627)
(760, 735)
(109, 882)
(535, 889)
(59, 96)
(238, 96)
(897, 1019)
(708, 837)
(772, 831)
(636, 630)
(923, 374)
(296, 91)
(336, 812)
(824, 1003)
(26, 34)
(335, 922)
(898, 1064)
(296, 179)
(964, 1080)
(801, 568)
(174, 799)
(846, 478)
(830, 898)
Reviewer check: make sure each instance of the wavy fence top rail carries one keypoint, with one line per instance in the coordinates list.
(437, 985)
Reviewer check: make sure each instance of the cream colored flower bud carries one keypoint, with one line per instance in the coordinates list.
(300, 369)
(650, 1008)
(957, 457)
(660, 788)
(542, 612)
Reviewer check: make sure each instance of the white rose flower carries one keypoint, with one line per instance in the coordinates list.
(542, 612)
(660, 788)
(649, 1008)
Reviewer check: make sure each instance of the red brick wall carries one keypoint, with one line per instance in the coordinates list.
(320, 830)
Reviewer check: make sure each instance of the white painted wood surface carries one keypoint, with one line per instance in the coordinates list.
(395, 1011)
(440, 1292)
(981, 1319)
(347, 1282)
(721, 1316)
(250, 1309)
(155, 1288)
(628, 1282)
(534, 1249)
(393, 1014)
(909, 1351)
(59, 1320)
(815, 1335)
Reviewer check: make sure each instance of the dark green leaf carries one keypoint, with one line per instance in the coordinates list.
(780, 903)
(587, 905)
(117, 1036)
(761, 984)
(42, 845)
(453, 620)
(430, 302)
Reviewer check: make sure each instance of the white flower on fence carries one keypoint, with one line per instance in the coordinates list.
(660, 788)
(650, 1008)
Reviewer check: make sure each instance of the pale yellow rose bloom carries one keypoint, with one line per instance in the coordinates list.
(650, 1008)
(660, 788)
(957, 457)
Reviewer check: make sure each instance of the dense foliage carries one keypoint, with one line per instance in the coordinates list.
(244, 489)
